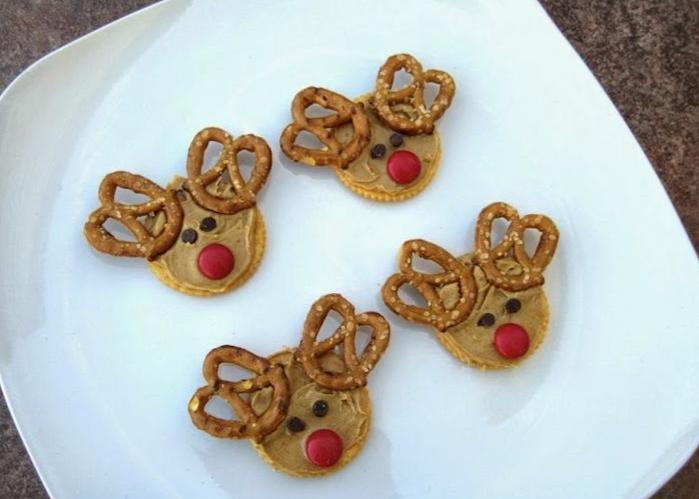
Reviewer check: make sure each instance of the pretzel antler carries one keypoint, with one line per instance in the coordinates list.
(334, 152)
(356, 369)
(512, 245)
(404, 109)
(147, 244)
(243, 192)
(250, 425)
(436, 314)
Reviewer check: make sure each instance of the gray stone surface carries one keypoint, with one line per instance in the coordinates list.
(645, 53)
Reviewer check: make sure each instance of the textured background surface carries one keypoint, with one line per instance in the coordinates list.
(644, 52)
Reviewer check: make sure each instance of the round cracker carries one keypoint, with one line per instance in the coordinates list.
(260, 234)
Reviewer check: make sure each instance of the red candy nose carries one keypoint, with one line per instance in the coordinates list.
(323, 448)
(215, 261)
(403, 166)
(511, 341)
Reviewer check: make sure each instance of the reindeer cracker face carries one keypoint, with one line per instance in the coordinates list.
(488, 308)
(202, 235)
(384, 145)
(307, 412)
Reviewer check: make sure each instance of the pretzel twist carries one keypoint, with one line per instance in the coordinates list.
(244, 192)
(356, 367)
(513, 245)
(146, 245)
(250, 425)
(436, 313)
(387, 101)
(334, 152)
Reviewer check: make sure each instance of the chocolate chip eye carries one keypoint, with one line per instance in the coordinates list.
(189, 236)
(208, 224)
(396, 140)
(486, 320)
(377, 151)
(320, 408)
(295, 425)
(513, 305)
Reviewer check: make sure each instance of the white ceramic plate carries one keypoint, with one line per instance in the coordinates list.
(99, 358)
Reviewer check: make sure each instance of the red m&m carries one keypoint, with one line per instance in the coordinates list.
(215, 261)
(324, 448)
(511, 341)
(403, 166)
